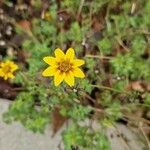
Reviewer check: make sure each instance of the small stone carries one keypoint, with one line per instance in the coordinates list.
(75, 90)
(61, 18)
(2, 43)
(1, 16)
(96, 71)
(8, 32)
(84, 42)
(118, 78)
(21, 7)
(10, 52)
(9, 28)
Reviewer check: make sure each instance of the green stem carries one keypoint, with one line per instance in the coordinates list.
(135, 105)
(80, 8)
(97, 56)
(108, 88)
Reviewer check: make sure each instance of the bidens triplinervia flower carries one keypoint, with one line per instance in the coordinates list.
(7, 69)
(63, 67)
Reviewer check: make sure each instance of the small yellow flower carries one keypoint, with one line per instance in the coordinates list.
(47, 16)
(7, 69)
(63, 67)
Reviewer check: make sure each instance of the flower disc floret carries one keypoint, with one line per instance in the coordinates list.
(65, 66)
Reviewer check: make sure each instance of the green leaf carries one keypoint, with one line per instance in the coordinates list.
(147, 99)
(123, 64)
(85, 85)
(75, 33)
(105, 46)
(138, 45)
(79, 112)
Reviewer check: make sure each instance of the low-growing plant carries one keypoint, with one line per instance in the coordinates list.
(113, 47)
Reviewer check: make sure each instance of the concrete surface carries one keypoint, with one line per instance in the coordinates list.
(16, 137)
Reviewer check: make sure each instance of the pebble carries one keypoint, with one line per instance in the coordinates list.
(8, 32)
(96, 71)
(1, 16)
(75, 90)
(2, 43)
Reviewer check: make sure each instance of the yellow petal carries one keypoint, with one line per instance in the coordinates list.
(59, 54)
(78, 62)
(8, 61)
(70, 54)
(78, 73)
(14, 67)
(50, 71)
(5, 77)
(69, 79)
(50, 60)
(10, 75)
(58, 78)
(2, 64)
(1, 73)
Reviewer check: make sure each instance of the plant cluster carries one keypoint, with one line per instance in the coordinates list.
(112, 37)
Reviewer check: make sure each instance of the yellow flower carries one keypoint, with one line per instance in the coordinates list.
(47, 16)
(7, 69)
(63, 67)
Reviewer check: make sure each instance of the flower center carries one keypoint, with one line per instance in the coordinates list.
(6, 69)
(64, 66)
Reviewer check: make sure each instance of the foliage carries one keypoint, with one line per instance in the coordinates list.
(114, 42)
(84, 139)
